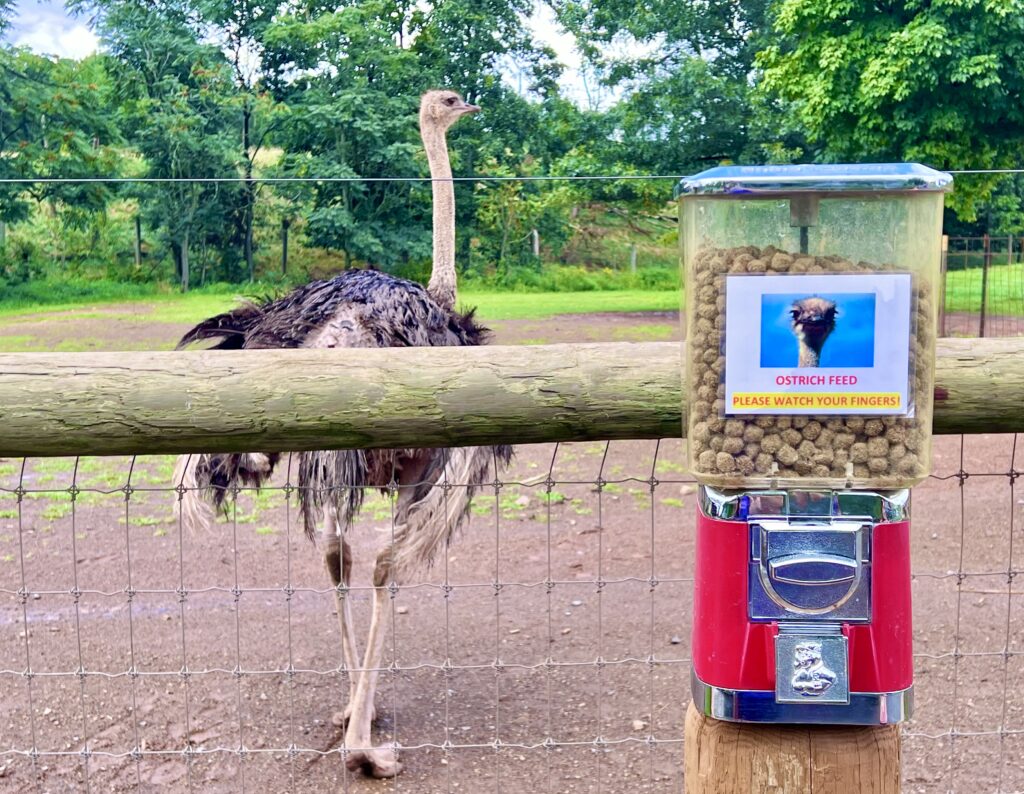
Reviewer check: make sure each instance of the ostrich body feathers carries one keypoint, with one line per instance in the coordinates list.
(359, 308)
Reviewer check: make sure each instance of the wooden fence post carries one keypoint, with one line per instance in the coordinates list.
(740, 758)
(285, 223)
(138, 241)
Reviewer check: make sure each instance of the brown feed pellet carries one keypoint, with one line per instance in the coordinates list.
(865, 451)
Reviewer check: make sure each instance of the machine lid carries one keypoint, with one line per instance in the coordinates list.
(770, 180)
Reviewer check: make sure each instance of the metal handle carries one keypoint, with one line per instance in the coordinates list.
(812, 569)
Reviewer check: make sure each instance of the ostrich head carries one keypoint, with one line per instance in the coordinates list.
(814, 319)
(442, 108)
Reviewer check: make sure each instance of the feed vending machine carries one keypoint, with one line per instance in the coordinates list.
(811, 300)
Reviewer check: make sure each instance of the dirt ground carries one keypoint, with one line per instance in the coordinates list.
(571, 676)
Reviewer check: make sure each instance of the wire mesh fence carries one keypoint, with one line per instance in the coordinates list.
(984, 286)
(546, 649)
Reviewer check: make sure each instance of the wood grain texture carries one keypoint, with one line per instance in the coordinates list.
(259, 400)
(731, 758)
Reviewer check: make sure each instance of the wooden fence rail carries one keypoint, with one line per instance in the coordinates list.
(123, 403)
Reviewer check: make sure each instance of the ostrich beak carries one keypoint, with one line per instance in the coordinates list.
(468, 108)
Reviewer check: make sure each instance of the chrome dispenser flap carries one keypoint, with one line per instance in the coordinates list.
(818, 571)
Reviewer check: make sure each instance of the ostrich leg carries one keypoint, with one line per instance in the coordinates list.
(373, 761)
(430, 506)
(412, 525)
(338, 561)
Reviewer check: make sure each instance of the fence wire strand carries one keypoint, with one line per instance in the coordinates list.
(209, 660)
(240, 179)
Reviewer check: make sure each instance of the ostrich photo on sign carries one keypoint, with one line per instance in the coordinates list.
(818, 344)
(818, 330)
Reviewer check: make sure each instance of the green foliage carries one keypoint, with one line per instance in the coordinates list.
(236, 90)
(684, 70)
(938, 83)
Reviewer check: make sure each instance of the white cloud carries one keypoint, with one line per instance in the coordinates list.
(45, 27)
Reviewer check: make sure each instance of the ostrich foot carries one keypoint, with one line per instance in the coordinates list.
(379, 762)
(339, 719)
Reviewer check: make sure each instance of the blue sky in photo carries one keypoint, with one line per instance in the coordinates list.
(851, 344)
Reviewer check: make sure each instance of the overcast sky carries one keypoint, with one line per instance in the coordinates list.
(45, 27)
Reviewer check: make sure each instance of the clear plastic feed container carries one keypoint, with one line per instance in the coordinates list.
(811, 301)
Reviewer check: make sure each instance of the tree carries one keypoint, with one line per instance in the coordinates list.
(239, 27)
(351, 76)
(683, 71)
(351, 93)
(55, 124)
(940, 83)
(176, 105)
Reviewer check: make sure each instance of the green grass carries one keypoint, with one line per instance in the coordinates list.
(1005, 294)
(191, 308)
(537, 305)
(57, 510)
(72, 293)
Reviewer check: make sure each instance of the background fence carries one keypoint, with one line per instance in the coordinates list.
(984, 281)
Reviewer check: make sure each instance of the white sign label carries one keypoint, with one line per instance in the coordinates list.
(818, 344)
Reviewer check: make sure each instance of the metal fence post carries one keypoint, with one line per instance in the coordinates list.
(986, 263)
(942, 284)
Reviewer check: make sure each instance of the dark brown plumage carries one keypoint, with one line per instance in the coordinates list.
(357, 308)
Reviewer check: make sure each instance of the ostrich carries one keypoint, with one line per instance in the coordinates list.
(363, 308)
(814, 319)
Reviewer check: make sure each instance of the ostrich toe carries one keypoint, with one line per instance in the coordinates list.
(378, 762)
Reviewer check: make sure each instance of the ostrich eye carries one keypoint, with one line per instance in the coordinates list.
(450, 101)
(795, 313)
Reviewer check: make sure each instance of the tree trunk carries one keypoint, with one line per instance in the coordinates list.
(249, 189)
(204, 258)
(176, 256)
(259, 400)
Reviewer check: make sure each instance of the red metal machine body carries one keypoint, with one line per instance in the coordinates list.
(741, 671)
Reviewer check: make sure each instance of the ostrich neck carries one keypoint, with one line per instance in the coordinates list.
(442, 283)
(809, 355)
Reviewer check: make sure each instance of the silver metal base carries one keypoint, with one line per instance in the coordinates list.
(865, 708)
